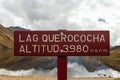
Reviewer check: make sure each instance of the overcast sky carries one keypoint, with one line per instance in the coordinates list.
(63, 14)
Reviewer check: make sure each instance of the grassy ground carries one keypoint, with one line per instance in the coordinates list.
(113, 60)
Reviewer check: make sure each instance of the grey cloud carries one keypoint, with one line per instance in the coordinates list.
(43, 12)
(60, 14)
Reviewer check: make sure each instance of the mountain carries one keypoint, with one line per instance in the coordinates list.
(113, 60)
(11, 62)
(16, 28)
(115, 47)
(6, 38)
(91, 63)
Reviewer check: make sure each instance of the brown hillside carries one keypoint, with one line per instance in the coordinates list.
(6, 38)
(9, 61)
(113, 60)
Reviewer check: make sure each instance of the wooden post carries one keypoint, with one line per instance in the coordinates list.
(62, 67)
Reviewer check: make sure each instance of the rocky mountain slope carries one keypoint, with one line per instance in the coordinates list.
(6, 38)
(11, 62)
(113, 60)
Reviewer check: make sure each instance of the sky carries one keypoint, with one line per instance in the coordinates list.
(63, 14)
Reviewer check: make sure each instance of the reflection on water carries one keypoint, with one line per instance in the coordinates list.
(11, 62)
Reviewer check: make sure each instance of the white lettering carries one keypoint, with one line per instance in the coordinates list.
(102, 38)
(22, 50)
(20, 40)
(44, 38)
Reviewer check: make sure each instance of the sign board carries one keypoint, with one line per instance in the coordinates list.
(61, 43)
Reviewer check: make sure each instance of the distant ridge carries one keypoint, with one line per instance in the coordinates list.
(16, 28)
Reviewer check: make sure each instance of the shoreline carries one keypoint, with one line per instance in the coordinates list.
(4, 77)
